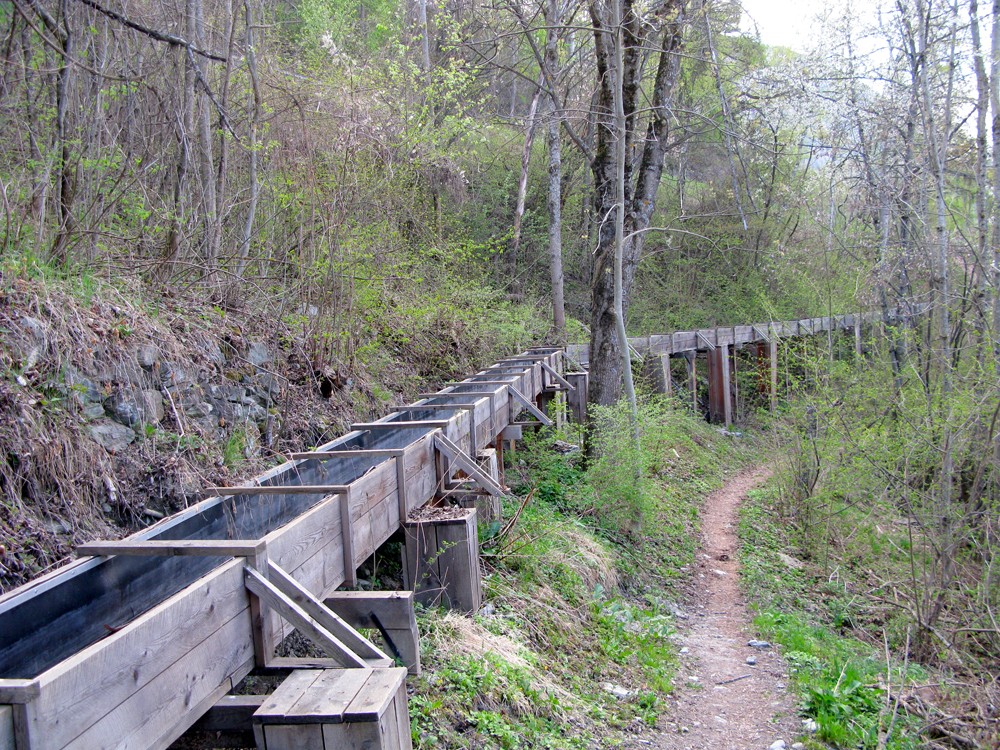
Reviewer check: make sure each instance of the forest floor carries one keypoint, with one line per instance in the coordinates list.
(726, 703)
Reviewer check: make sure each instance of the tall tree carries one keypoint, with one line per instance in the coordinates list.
(647, 40)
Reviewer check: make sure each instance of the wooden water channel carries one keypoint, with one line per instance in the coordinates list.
(133, 643)
(139, 639)
(718, 347)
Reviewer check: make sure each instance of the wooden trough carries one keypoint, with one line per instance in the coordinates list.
(128, 646)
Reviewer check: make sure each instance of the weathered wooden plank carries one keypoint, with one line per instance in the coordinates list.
(300, 489)
(412, 424)
(18, 691)
(378, 692)
(289, 737)
(275, 598)
(349, 454)
(327, 698)
(173, 547)
(81, 690)
(161, 710)
(744, 334)
(6, 728)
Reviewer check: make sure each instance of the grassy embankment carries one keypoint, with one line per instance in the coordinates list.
(580, 592)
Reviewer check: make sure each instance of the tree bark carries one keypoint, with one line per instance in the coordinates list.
(642, 173)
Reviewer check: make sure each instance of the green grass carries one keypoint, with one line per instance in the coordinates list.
(840, 679)
(579, 592)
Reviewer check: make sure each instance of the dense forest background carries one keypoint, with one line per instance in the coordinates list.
(410, 182)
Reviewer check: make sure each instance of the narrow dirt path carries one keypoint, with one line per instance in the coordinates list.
(724, 703)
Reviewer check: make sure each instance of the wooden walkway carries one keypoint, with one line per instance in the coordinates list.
(130, 645)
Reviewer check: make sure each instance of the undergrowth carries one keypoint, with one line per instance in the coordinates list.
(579, 591)
(846, 684)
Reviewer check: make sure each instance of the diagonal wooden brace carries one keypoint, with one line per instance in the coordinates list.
(322, 614)
(525, 402)
(557, 377)
(274, 597)
(761, 333)
(453, 452)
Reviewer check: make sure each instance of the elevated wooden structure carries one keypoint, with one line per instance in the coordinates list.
(130, 645)
(718, 345)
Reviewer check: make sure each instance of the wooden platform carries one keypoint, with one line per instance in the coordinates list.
(129, 648)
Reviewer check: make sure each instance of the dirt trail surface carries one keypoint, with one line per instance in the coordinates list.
(724, 703)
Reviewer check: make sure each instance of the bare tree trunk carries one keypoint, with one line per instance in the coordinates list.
(213, 235)
(522, 184)
(642, 174)
(619, 305)
(251, 57)
(995, 212)
(554, 21)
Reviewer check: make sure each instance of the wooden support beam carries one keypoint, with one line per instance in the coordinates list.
(412, 424)
(467, 464)
(320, 613)
(390, 612)
(349, 453)
(276, 599)
(17, 691)
(719, 392)
(347, 540)
(773, 351)
(557, 377)
(290, 489)
(525, 402)
(172, 548)
(691, 361)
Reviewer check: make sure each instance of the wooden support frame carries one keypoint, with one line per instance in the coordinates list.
(274, 597)
(467, 464)
(557, 377)
(324, 616)
(525, 403)
(390, 612)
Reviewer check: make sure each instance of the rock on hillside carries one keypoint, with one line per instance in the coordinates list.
(111, 417)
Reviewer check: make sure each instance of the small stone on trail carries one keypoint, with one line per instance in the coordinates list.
(809, 725)
(685, 650)
(759, 644)
(719, 573)
(751, 660)
(616, 690)
(778, 745)
(798, 746)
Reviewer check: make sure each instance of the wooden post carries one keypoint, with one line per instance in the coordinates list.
(442, 559)
(690, 360)
(577, 398)
(720, 406)
(773, 346)
(734, 388)
(657, 368)
(858, 348)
